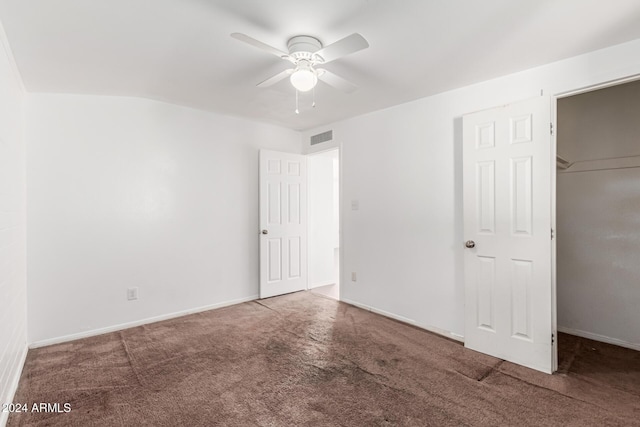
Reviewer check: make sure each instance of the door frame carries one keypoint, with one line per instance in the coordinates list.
(554, 152)
(338, 147)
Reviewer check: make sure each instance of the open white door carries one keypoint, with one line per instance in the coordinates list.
(507, 228)
(283, 223)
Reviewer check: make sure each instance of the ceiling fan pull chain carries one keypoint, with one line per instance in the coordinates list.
(297, 111)
(313, 105)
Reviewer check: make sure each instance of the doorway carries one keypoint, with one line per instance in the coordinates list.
(324, 223)
(598, 214)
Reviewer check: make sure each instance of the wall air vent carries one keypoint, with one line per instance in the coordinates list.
(322, 137)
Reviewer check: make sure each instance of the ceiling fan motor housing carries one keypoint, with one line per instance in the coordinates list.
(303, 47)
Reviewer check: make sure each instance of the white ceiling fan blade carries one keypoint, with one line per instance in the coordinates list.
(275, 79)
(336, 81)
(346, 46)
(256, 43)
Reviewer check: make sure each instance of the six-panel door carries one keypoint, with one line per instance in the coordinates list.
(507, 214)
(283, 223)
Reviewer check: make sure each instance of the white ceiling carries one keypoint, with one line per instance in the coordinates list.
(180, 51)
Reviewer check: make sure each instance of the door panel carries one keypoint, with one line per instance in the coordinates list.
(486, 283)
(486, 197)
(507, 213)
(283, 215)
(275, 260)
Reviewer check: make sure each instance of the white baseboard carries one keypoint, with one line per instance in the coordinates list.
(13, 385)
(119, 327)
(435, 330)
(601, 338)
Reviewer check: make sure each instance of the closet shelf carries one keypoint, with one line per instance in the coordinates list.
(562, 163)
(628, 162)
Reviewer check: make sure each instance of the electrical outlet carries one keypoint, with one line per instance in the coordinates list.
(353, 276)
(132, 294)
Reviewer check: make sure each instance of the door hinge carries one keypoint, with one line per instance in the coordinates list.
(552, 234)
(551, 128)
(553, 338)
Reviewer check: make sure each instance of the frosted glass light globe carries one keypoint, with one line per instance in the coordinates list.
(303, 79)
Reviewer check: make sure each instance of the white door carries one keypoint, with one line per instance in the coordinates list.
(507, 228)
(283, 223)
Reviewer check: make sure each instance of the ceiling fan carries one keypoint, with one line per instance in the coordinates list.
(306, 53)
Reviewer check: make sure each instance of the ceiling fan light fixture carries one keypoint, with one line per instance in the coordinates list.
(305, 53)
(304, 79)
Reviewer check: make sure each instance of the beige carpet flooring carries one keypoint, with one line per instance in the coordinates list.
(306, 360)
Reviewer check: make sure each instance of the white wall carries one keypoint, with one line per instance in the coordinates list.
(403, 166)
(127, 192)
(598, 213)
(601, 124)
(323, 238)
(13, 308)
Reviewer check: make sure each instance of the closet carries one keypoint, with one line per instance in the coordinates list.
(598, 214)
